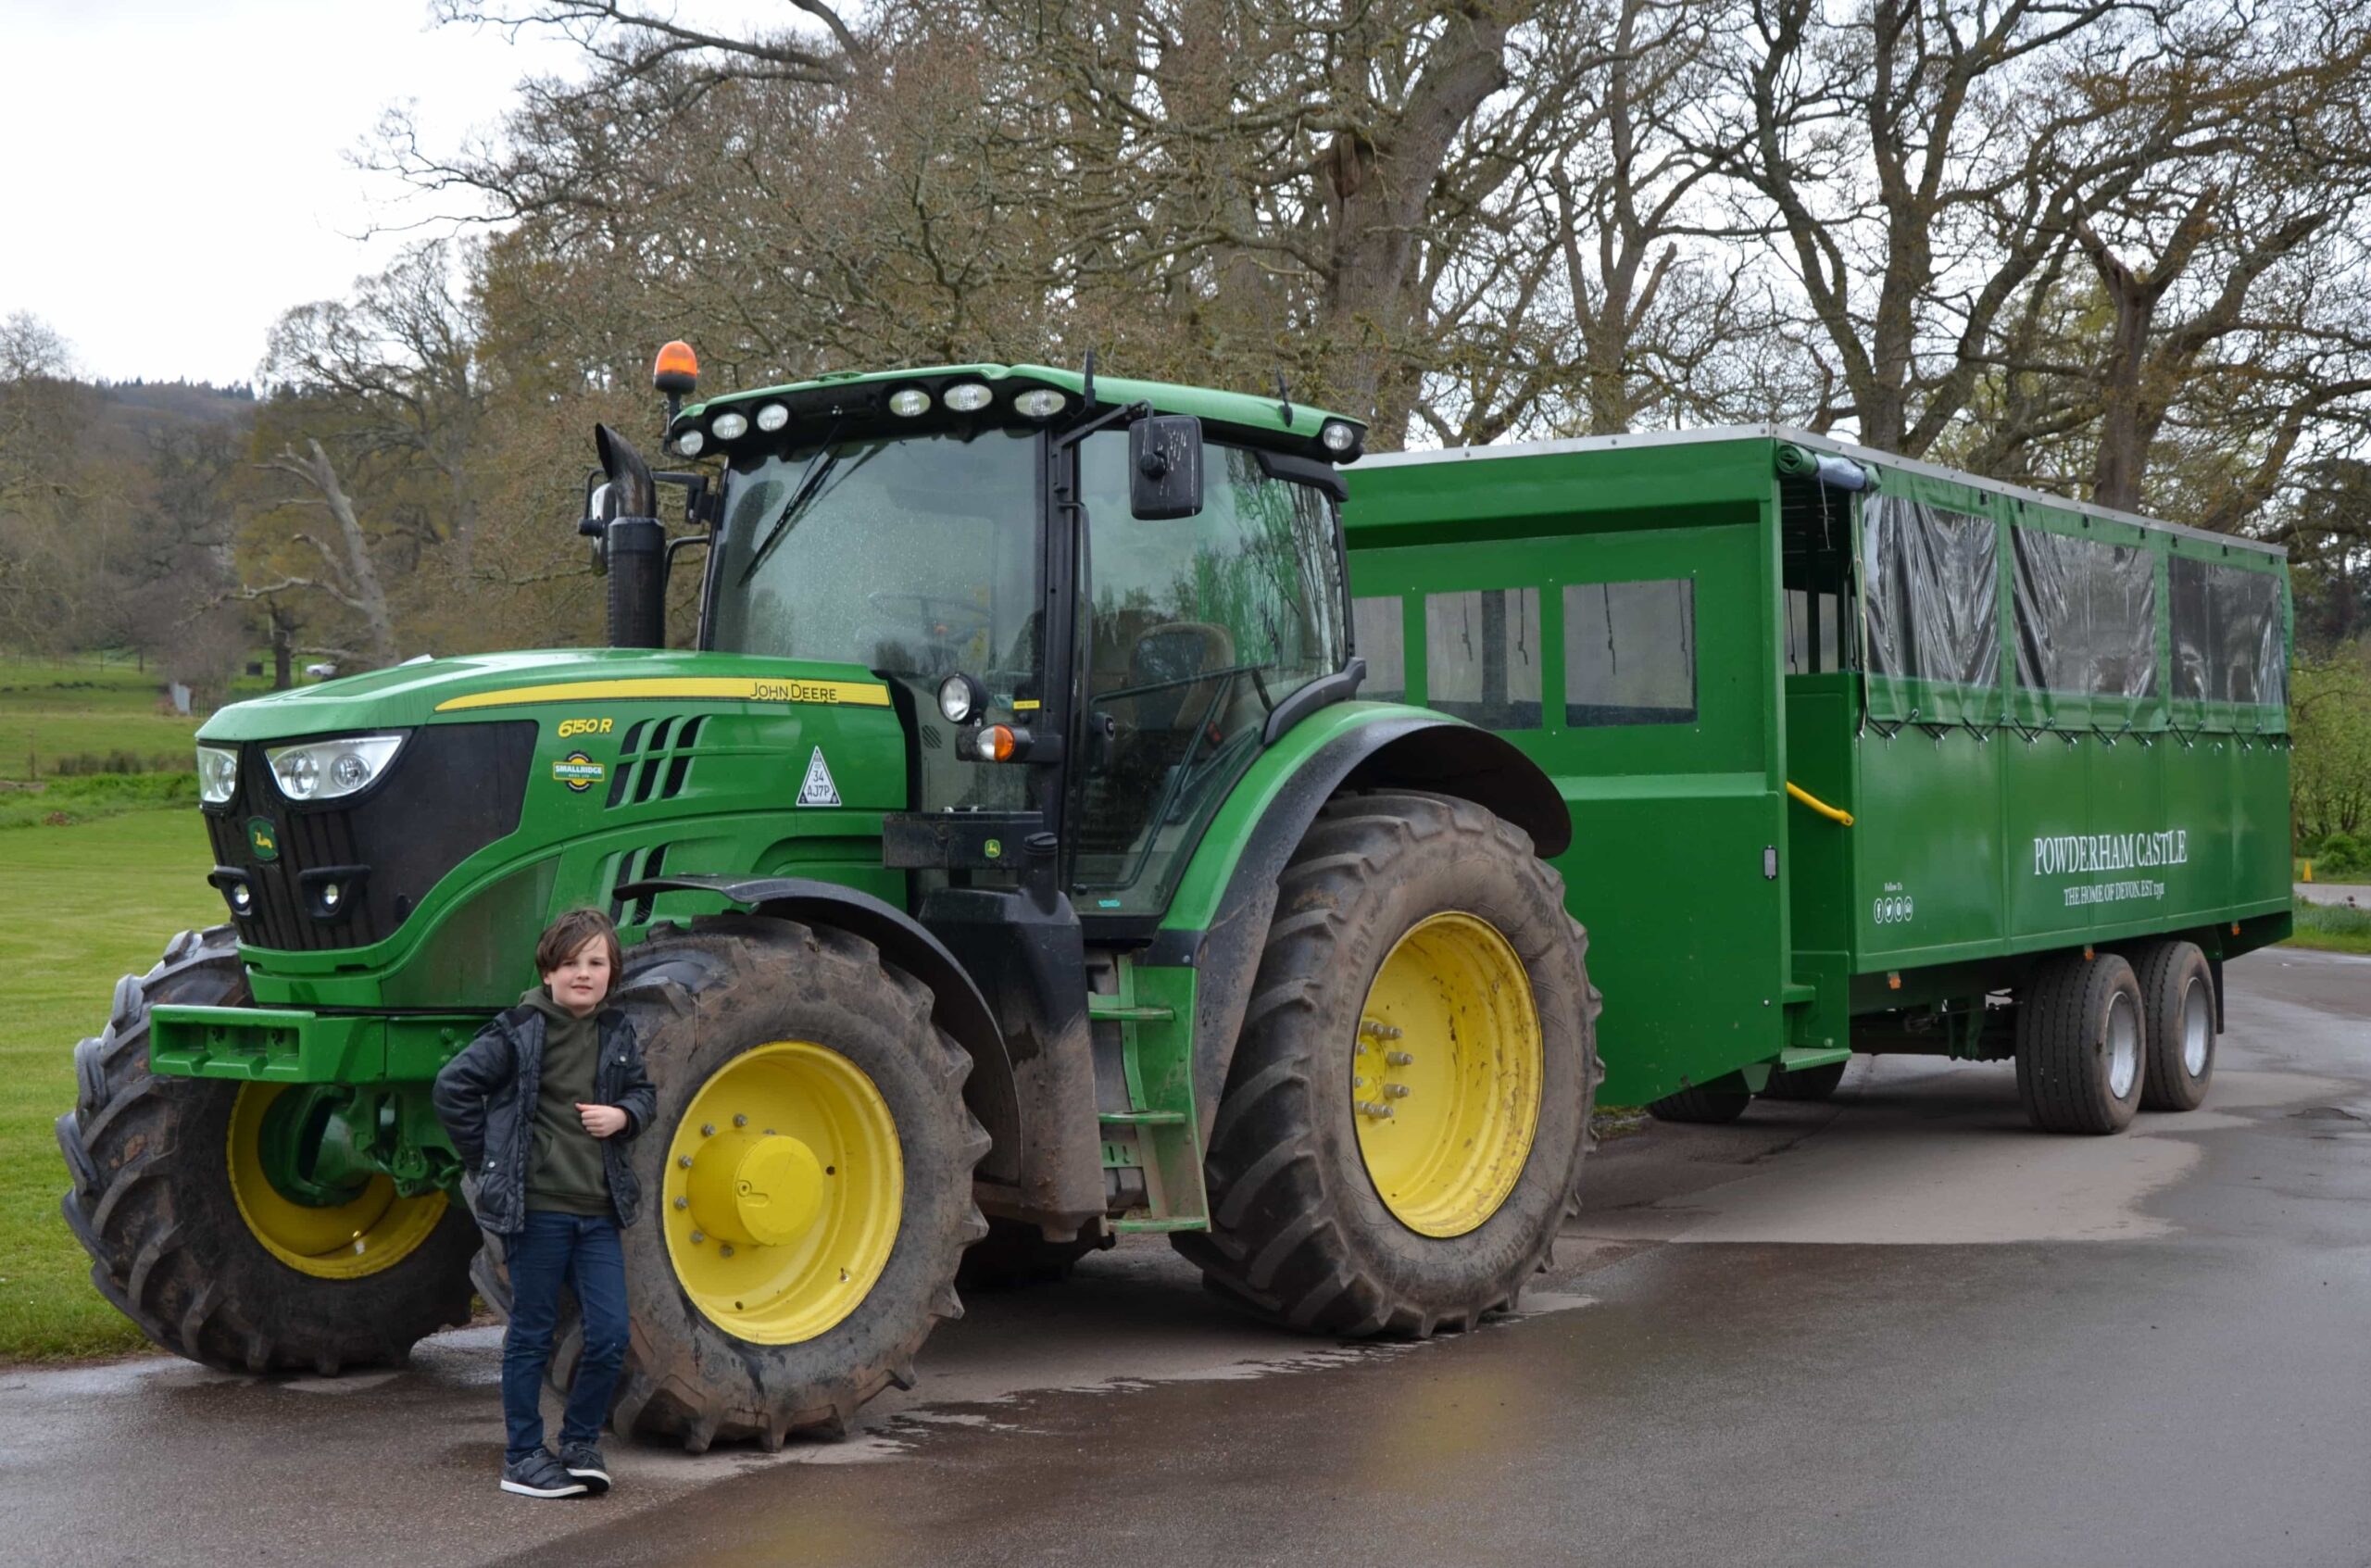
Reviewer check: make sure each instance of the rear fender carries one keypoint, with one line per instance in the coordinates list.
(957, 1005)
(1219, 922)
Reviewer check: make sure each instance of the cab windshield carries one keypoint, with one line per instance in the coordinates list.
(915, 558)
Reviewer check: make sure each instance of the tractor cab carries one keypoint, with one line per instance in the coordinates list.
(1089, 606)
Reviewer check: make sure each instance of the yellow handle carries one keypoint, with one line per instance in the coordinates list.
(1816, 804)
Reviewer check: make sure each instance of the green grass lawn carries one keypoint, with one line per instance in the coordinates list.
(78, 906)
(91, 705)
(2333, 928)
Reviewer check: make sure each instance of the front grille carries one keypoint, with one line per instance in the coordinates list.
(453, 789)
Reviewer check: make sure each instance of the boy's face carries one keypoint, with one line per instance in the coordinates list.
(583, 978)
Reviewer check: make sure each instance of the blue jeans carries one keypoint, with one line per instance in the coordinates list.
(583, 1254)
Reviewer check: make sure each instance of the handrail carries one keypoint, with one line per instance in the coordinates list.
(1816, 804)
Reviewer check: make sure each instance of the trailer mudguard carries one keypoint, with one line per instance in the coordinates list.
(958, 1006)
(1218, 923)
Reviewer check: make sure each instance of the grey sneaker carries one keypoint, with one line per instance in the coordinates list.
(540, 1475)
(583, 1460)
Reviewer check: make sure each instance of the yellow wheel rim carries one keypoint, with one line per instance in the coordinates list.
(1446, 1074)
(373, 1231)
(785, 1184)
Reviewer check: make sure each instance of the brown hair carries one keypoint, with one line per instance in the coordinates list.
(565, 936)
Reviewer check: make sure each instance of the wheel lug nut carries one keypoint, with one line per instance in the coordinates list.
(707, 1129)
(683, 1203)
(1397, 1091)
(684, 1161)
(698, 1236)
(740, 1121)
(1400, 1059)
(724, 1249)
(1358, 1083)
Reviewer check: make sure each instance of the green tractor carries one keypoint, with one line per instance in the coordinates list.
(1010, 865)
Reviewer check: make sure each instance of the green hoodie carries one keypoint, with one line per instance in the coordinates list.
(564, 1174)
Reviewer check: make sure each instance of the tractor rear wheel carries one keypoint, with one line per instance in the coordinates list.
(192, 1239)
(806, 1184)
(1403, 1124)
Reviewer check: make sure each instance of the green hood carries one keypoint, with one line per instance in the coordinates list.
(431, 690)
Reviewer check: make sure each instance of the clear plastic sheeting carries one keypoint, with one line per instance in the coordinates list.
(1482, 656)
(1380, 634)
(1931, 578)
(2086, 616)
(1630, 653)
(2229, 641)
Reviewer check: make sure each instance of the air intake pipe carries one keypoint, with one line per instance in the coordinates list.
(635, 545)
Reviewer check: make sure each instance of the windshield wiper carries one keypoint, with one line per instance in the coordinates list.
(810, 479)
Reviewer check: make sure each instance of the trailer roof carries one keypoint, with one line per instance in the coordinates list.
(1806, 439)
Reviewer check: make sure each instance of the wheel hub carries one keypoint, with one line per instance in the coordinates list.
(300, 1188)
(758, 1189)
(784, 1189)
(2123, 1045)
(2198, 1028)
(1446, 1074)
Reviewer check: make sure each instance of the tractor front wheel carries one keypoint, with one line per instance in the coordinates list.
(214, 1249)
(1403, 1123)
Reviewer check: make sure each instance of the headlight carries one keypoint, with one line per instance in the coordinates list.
(968, 396)
(323, 770)
(218, 775)
(727, 426)
(772, 417)
(1039, 403)
(689, 443)
(960, 698)
(910, 402)
(1338, 437)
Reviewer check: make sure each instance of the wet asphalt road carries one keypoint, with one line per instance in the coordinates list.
(1895, 1329)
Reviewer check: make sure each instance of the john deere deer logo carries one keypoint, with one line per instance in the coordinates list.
(263, 838)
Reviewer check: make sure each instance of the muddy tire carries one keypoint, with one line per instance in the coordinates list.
(1700, 1107)
(1805, 1082)
(708, 1005)
(153, 1201)
(1303, 1229)
(2177, 1018)
(2081, 1052)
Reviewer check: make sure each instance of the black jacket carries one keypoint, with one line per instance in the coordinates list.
(485, 1096)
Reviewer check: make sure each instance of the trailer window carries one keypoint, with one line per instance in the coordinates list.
(1932, 589)
(2228, 644)
(2086, 615)
(1630, 653)
(1481, 656)
(1381, 637)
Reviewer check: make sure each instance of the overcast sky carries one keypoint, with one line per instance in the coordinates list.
(175, 173)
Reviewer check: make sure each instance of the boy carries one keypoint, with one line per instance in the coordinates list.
(540, 1107)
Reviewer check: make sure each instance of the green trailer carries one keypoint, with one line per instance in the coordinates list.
(1860, 754)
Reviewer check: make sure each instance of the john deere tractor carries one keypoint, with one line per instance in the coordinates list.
(1009, 865)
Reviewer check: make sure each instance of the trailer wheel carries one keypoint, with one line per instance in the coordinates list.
(2082, 1054)
(191, 1240)
(1805, 1082)
(2177, 1012)
(806, 1184)
(1403, 1123)
(1700, 1107)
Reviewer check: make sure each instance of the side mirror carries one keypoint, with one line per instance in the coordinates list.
(1165, 467)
